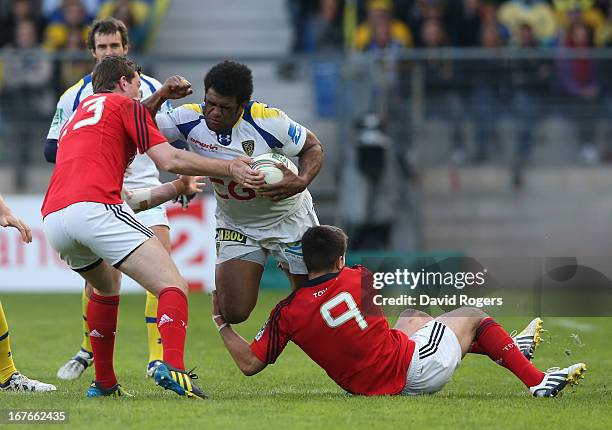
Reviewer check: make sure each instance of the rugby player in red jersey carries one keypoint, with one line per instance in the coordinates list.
(95, 232)
(333, 319)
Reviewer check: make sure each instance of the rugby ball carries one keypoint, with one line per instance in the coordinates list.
(266, 163)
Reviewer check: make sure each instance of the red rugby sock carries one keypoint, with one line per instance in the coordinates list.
(172, 313)
(495, 342)
(102, 319)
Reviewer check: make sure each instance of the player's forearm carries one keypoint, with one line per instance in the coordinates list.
(189, 163)
(237, 346)
(311, 158)
(4, 209)
(154, 102)
(240, 351)
(143, 199)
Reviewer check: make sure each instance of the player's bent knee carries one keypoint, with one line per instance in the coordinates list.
(414, 313)
(234, 314)
(473, 312)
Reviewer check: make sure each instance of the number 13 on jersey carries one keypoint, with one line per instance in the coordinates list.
(95, 105)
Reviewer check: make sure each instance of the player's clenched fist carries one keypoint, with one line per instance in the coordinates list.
(177, 87)
(240, 170)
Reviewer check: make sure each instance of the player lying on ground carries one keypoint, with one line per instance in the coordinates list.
(341, 329)
(110, 37)
(95, 232)
(10, 378)
(250, 226)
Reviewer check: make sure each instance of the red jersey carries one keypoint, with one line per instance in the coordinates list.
(334, 321)
(95, 147)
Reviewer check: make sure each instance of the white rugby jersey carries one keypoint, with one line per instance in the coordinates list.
(260, 130)
(142, 172)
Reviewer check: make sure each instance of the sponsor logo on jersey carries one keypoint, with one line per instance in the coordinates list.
(224, 234)
(207, 146)
(295, 132)
(57, 118)
(96, 334)
(262, 331)
(248, 146)
(224, 138)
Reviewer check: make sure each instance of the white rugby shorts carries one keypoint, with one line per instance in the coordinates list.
(86, 233)
(437, 354)
(154, 216)
(283, 240)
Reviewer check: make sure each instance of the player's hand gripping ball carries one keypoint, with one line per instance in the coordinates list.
(266, 163)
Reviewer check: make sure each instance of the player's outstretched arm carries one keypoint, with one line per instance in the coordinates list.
(311, 160)
(7, 219)
(237, 346)
(141, 199)
(174, 160)
(175, 87)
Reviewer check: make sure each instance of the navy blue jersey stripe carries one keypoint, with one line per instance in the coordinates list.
(272, 141)
(137, 123)
(77, 100)
(146, 128)
(148, 83)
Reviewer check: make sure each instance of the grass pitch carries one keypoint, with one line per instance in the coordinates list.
(295, 393)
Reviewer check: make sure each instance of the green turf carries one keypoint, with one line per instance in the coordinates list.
(294, 393)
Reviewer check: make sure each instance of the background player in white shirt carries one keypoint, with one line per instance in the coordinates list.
(250, 225)
(110, 37)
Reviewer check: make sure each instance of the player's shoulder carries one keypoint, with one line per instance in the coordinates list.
(285, 306)
(76, 92)
(119, 101)
(260, 115)
(356, 273)
(151, 82)
(187, 113)
(269, 119)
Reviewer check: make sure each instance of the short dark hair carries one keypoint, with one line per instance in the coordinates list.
(230, 78)
(107, 73)
(107, 26)
(321, 247)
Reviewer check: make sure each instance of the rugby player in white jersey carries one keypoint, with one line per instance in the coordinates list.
(110, 37)
(251, 225)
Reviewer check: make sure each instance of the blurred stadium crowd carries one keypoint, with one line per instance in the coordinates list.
(396, 24)
(519, 86)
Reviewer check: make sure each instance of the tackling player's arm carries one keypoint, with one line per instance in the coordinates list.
(170, 159)
(238, 347)
(141, 199)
